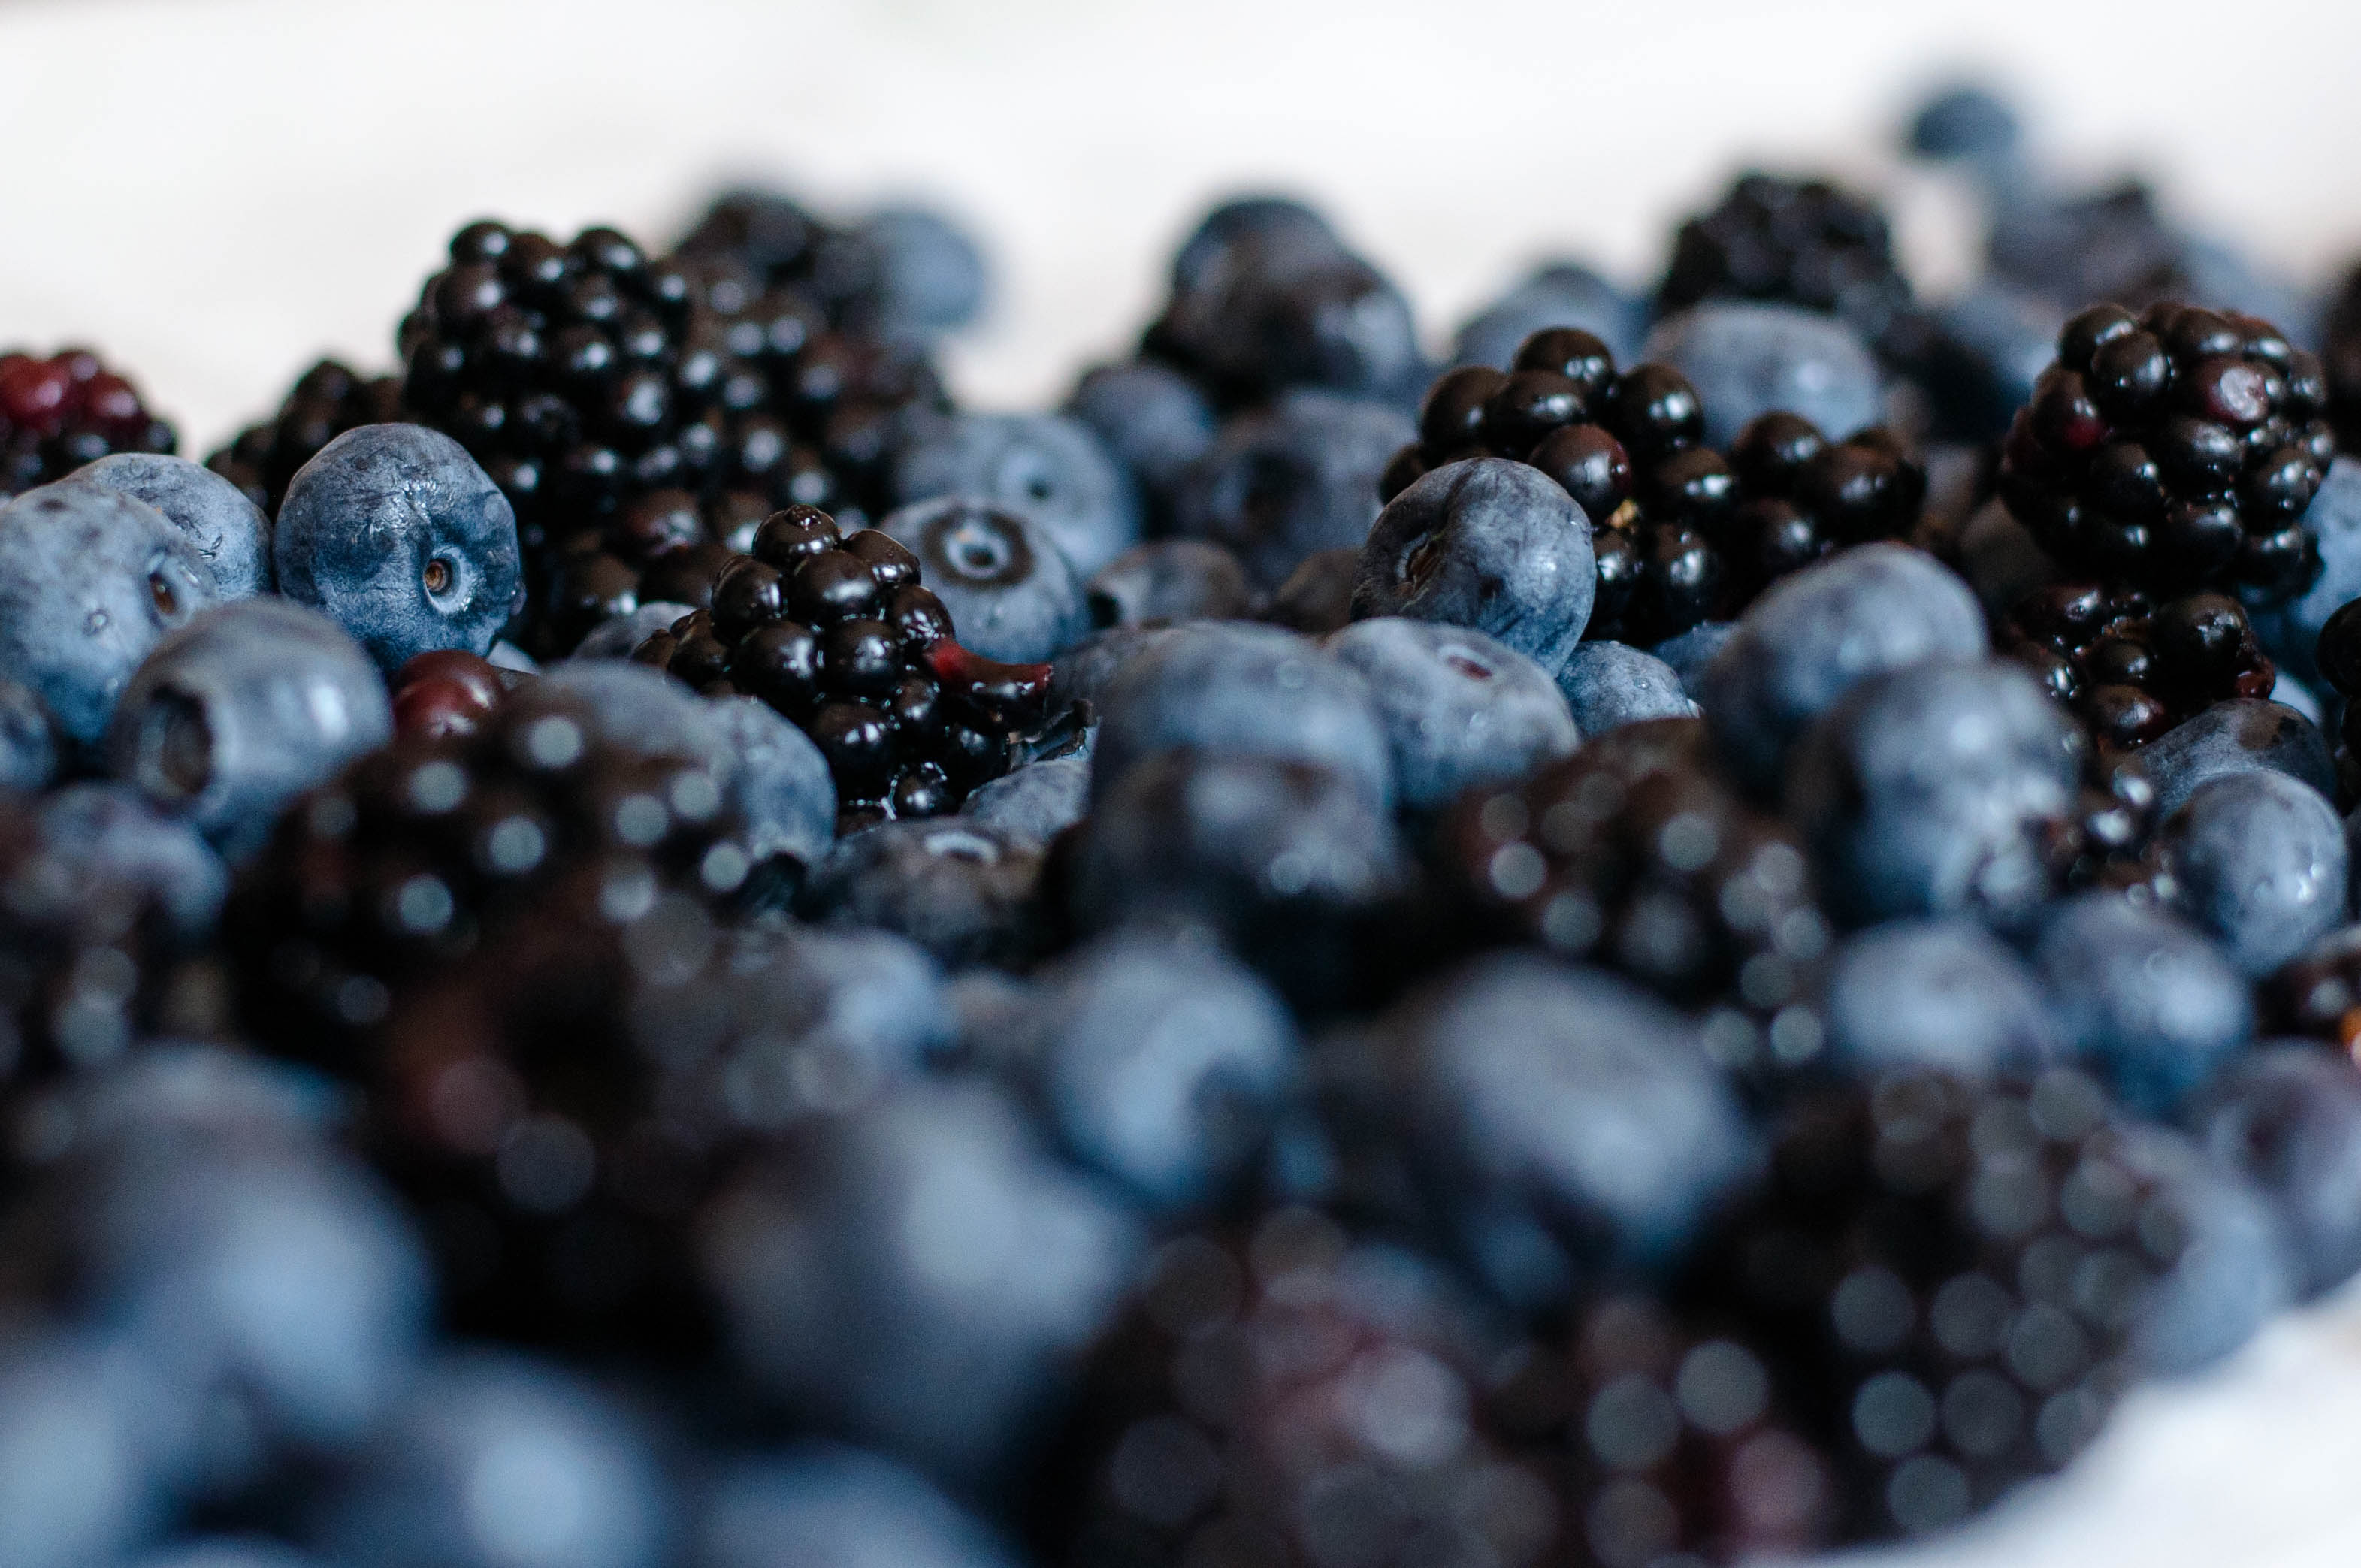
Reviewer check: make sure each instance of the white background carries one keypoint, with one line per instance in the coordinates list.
(215, 192)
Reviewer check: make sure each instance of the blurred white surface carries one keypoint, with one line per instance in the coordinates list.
(215, 192)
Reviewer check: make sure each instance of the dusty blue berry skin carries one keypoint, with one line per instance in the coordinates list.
(1693, 650)
(1283, 482)
(1036, 802)
(2239, 736)
(921, 1275)
(2289, 1117)
(1012, 594)
(2150, 1006)
(643, 710)
(1814, 636)
(618, 635)
(1153, 420)
(780, 786)
(228, 529)
(1747, 360)
(1563, 293)
(2258, 862)
(822, 1506)
(963, 890)
(1161, 1062)
(1942, 993)
(226, 1551)
(241, 710)
(1487, 543)
(1936, 790)
(106, 833)
(90, 582)
(1458, 709)
(29, 741)
(2237, 1268)
(1227, 689)
(920, 274)
(1611, 684)
(1993, 344)
(1083, 672)
(83, 1393)
(1967, 120)
(2290, 634)
(1166, 581)
(1047, 468)
(403, 540)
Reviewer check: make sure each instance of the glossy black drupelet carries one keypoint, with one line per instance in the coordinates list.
(1799, 242)
(2131, 667)
(326, 400)
(2173, 450)
(61, 410)
(1680, 534)
(836, 631)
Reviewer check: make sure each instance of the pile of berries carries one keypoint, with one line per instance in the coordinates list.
(61, 410)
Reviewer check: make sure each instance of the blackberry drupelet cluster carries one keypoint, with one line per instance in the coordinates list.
(836, 631)
(1798, 242)
(1681, 534)
(326, 400)
(2131, 667)
(1943, 1276)
(2172, 451)
(1635, 854)
(635, 409)
(61, 411)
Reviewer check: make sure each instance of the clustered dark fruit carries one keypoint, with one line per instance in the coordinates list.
(2317, 994)
(61, 410)
(2173, 450)
(2341, 356)
(1636, 854)
(1800, 242)
(2131, 667)
(1681, 534)
(836, 631)
(638, 409)
(326, 400)
(2339, 655)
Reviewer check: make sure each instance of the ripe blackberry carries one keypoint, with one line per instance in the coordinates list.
(326, 400)
(834, 630)
(61, 411)
(1289, 1401)
(1634, 854)
(1800, 242)
(2130, 667)
(2317, 994)
(1681, 534)
(1944, 1277)
(2173, 450)
(635, 409)
(2339, 657)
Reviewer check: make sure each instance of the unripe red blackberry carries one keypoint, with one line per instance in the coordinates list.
(61, 410)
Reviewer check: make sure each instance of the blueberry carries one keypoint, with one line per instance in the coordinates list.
(641, 709)
(2001, 559)
(2239, 735)
(2150, 1005)
(2290, 634)
(2257, 860)
(1083, 671)
(29, 741)
(917, 274)
(1693, 651)
(618, 635)
(1233, 690)
(1746, 359)
(1458, 709)
(965, 891)
(398, 534)
(1167, 580)
(1561, 1124)
(226, 1551)
(243, 709)
(918, 1274)
(1988, 348)
(227, 528)
(1293, 478)
(818, 1505)
(1609, 683)
(1047, 468)
(2233, 1270)
(1965, 121)
(1036, 802)
(1937, 993)
(82, 1477)
(1487, 543)
(1936, 789)
(494, 1461)
(1814, 636)
(1154, 421)
(778, 783)
(1010, 592)
(1317, 597)
(1562, 293)
(1229, 236)
(2289, 1116)
(1161, 1063)
(101, 833)
(90, 581)
(2288, 692)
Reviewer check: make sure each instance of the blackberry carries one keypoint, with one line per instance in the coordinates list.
(61, 412)
(2172, 451)
(1681, 534)
(326, 400)
(2343, 360)
(1286, 1398)
(1799, 242)
(834, 630)
(642, 414)
(2131, 667)
(1634, 854)
(2317, 994)
(1944, 1277)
